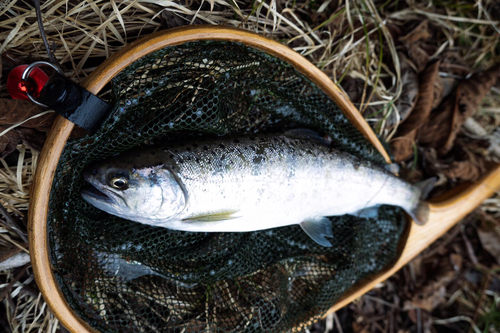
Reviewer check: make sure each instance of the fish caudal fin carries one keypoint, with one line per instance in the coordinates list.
(426, 187)
(318, 229)
(420, 213)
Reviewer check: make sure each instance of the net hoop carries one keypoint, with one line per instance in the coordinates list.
(62, 128)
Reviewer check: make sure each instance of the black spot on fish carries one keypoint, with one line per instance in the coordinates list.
(205, 148)
(236, 141)
(171, 156)
(222, 146)
(356, 164)
(188, 148)
(195, 145)
(257, 159)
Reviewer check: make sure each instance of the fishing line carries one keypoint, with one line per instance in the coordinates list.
(42, 32)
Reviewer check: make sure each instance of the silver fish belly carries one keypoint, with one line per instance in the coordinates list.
(246, 184)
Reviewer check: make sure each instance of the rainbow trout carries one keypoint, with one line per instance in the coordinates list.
(245, 184)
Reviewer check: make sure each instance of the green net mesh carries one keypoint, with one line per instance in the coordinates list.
(123, 276)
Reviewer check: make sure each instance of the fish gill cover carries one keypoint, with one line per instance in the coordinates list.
(123, 276)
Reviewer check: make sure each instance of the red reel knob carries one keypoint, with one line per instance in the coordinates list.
(18, 88)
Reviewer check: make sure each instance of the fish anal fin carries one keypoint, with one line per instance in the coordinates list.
(420, 213)
(318, 229)
(215, 217)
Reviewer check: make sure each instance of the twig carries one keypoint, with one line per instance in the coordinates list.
(449, 237)
(11, 284)
(337, 323)
(419, 320)
(329, 323)
(481, 297)
(468, 245)
(12, 224)
(381, 301)
(456, 319)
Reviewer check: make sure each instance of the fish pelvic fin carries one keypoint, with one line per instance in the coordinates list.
(216, 217)
(318, 229)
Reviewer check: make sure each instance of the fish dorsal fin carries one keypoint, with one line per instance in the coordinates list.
(215, 217)
(393, 168)
(318, 229)
(310, 135)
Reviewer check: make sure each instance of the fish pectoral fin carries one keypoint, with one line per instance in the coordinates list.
(216, 217)
(318, 229)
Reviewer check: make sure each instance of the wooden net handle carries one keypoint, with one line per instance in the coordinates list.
(444, 214)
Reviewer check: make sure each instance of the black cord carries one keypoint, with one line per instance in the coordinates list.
(42, 32)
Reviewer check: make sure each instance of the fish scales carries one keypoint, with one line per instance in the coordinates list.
(245, 184)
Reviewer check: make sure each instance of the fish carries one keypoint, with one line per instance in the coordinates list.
(247, 183)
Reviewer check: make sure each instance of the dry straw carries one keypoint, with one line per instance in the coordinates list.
(345, 42)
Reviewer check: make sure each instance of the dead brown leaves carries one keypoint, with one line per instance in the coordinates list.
(489, 235)
(31, 133)
(460, 164)
(445, 280)
(403, 144)
(440, 110)
(445, 121)
(414, 43)
(409, 94)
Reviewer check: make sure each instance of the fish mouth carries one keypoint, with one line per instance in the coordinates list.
(91, 192)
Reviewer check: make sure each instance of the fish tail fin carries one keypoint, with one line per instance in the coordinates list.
(426, 187)
(420, 213)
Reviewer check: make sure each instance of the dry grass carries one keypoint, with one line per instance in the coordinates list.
(352, 40)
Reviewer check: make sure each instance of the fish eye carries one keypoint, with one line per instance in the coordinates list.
(119, 182)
